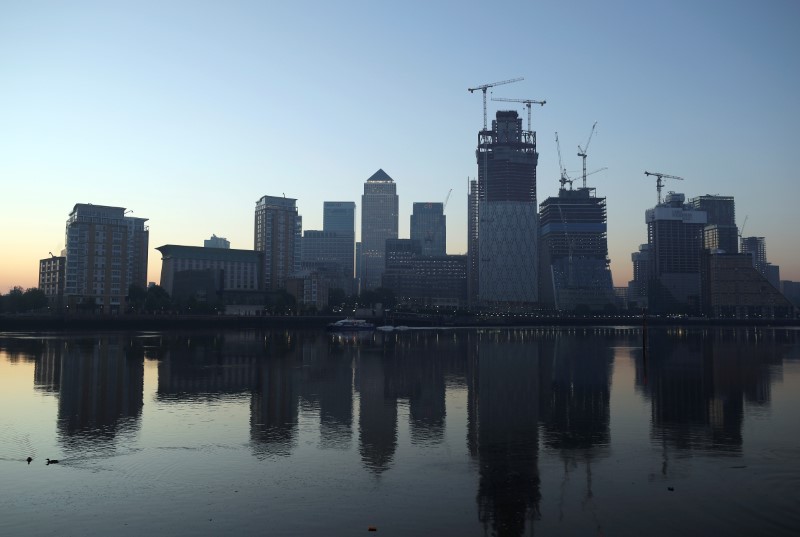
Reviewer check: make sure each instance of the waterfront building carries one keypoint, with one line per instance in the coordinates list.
(216, 242)
(642, 268)
(310, 287)
(424, 280)
(675, 236)
(336, 250)
(106, 254)
(210, 274)
(734, 288)
(379, 221)
(429, 227)
(472, 243)
(575, 273)
(720, 232)
(507, 217)
(278, 232)
(51, 279)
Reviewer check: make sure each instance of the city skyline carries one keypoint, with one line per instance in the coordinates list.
(189, 127)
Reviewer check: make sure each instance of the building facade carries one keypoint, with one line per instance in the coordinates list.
(508, 231)
(379, 222)
(52, 272)
(278, 232)
(720, 232)
(675, 235)
(429, 227)
(424, 280)
(734, 288)
(575, 271)
(339, 216)
(231, 271)
(106, 254)
(334, 249)
(216, 242)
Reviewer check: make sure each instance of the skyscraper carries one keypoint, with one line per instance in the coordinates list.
(278, 231)
(106, 254)
(675, 236)
(575, 269)
(429, 227)
(720, 232)
(339, 216)
(379, 221)
(507, 217)
(472, 243)
(332, 250)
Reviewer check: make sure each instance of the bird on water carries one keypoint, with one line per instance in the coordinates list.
(52, 461)
(29, 460)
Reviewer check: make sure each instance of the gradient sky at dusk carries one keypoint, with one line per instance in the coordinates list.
(187, 112)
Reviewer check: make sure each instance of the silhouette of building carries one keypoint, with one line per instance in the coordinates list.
(51, 279)
(424, 280)
(217, 242)
(575, 271)
(334, 247)
(339, 216)
(720, 232)
(507, 217)
(472, 243)
(429, 227)
(209, 274)
(379, 221)
(734, 288)
(278, 231)
(106, 254)
(642, 268)
(675, 236)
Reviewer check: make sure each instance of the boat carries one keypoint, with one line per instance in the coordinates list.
(350, 325)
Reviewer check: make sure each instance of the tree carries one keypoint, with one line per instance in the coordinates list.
(34, 299)
(136, 298)
(157, 299)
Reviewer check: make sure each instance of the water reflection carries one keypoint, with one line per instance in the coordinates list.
(699, 381)
(529, 395)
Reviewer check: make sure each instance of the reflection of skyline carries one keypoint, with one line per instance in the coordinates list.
(699, 381)
(520, 387)
(505, 424)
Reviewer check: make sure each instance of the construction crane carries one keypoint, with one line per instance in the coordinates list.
(659, 181)
(741, 229)
(564, 177)
(484, 87)
(526, 102)
(582, 152)
(446, 199)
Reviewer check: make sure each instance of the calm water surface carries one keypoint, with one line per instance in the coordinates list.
(449, 432)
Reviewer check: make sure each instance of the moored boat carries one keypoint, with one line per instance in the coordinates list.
(350, 325)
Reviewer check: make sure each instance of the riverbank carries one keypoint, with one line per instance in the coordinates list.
(194, 322)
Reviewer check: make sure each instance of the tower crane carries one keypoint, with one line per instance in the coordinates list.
(659, 181)
(526, 102)
(446, 199)
(582, 152)
(484, 87)
(564, 177)
(741, 229)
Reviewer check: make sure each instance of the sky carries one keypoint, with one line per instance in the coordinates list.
(187, 112)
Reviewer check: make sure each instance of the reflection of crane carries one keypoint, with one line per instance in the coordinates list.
(526, 102)
(582, 152)
(660, 183)
(484, 87)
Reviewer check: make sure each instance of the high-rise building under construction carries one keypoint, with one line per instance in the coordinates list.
(574, 269)
(507, 242)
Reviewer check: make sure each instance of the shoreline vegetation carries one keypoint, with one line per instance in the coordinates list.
(169, 322)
